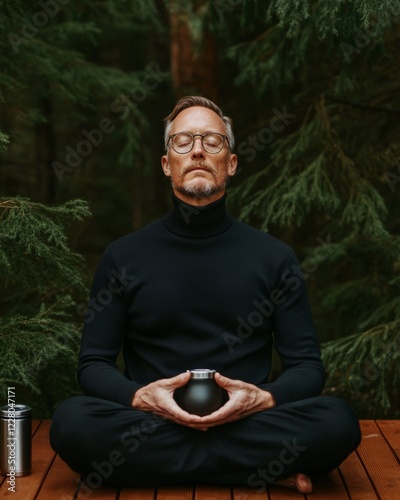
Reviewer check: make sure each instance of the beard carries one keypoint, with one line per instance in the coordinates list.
(199, 188)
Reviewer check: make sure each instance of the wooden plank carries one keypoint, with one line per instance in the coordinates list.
(175, 493)
(248, 493)
(103, 492)
(212, 493)
(137, 493)
(391, 430)
(42, 457)
(371, 473)
(2, 480)
(356, 479)
(61, 482)
(35, 425)
(329, 487)
(279, 492)
(380, 462)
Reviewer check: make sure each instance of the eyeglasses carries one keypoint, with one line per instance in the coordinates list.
(211, 142)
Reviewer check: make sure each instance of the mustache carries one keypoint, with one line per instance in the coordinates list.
(198, 164)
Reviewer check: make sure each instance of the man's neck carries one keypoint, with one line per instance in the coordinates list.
(198, 202)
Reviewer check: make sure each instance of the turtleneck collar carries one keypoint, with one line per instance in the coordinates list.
(197, 222)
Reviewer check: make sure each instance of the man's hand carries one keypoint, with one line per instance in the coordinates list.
(244, 400)
(157, 397)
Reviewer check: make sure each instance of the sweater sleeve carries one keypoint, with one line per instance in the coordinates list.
(303, 374)
(103, 334)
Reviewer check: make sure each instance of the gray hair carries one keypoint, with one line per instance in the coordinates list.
(190, 101)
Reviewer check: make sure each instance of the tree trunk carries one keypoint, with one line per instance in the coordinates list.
(193, 64)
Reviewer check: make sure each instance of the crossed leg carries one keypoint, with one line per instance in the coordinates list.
(286, 445)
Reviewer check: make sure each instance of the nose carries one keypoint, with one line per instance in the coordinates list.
(197, 151)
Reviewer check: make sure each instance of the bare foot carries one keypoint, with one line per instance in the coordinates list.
(300, 482)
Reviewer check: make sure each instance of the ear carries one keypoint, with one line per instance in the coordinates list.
(232, 165)
(165, 165)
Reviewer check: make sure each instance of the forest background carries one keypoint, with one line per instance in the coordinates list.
(314, 91)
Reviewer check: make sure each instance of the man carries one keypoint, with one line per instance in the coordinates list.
(199, 289)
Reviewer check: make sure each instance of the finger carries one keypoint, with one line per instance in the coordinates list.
(225, 382)
(177, 381)
(213, 424)
(198, 428)
(228, 411)
(181, 421)
(187, 422)
(184, 417)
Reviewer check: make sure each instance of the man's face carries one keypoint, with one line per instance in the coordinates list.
(198, 177)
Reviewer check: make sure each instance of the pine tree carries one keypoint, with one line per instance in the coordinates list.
(67, 85)
(312, 87)
(329, 176)
(76, 81)
(41, 281)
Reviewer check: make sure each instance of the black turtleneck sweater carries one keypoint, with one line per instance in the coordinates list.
(198, 289)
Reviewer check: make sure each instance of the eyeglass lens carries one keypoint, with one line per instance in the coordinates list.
(183, 143)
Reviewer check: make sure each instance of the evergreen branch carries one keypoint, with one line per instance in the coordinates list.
(363, 106)
(31, 222)
(351, 361)
(8, 204)
(30, 343)
(4, 140)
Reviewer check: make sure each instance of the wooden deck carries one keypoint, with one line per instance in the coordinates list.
(372, 472)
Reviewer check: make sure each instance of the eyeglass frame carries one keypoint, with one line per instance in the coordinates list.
(225, 137)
